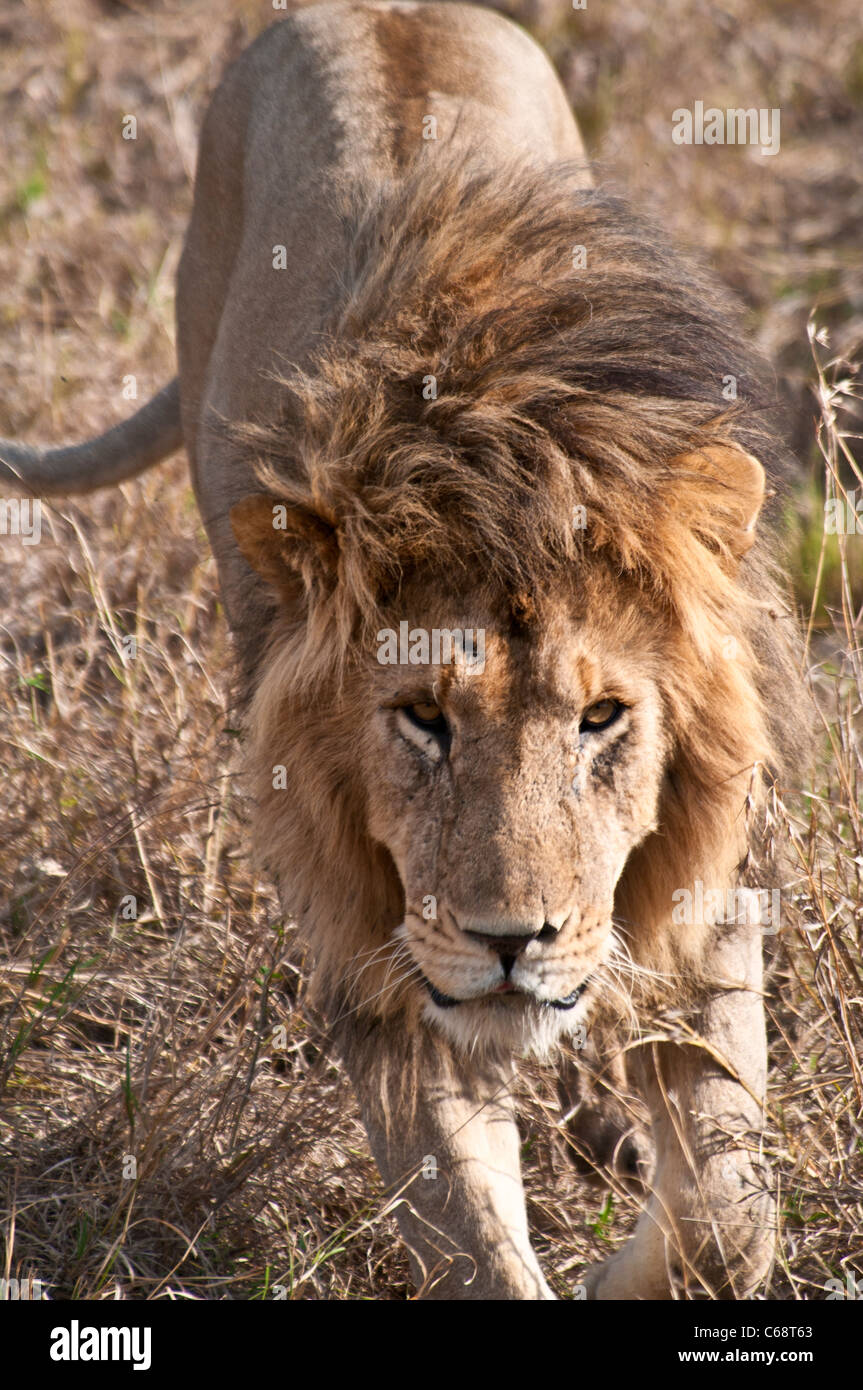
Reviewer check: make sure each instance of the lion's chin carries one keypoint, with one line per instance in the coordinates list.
(514, 1022)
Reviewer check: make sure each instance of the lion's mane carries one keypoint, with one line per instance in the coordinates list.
(555, 385)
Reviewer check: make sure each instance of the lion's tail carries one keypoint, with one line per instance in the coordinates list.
(147, 437)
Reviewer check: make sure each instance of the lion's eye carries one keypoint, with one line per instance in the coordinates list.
(423, 724)
(427, 716)
(600, 715)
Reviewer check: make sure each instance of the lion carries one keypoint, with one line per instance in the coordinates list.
(434, 383)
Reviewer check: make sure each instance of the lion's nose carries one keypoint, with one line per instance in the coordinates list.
(510, 946)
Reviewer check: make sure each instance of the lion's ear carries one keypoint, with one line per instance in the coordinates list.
(283, 541)
(743, 491)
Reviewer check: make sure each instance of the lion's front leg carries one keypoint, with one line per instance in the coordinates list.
(708, 1229)
(442, 1129)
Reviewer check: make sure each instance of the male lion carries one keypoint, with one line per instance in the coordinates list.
(429, 376)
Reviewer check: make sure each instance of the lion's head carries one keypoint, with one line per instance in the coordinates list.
(498, 443)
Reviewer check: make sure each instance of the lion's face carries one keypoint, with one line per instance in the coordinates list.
(509, 796)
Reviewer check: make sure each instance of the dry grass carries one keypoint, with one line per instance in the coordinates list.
(154, 1037)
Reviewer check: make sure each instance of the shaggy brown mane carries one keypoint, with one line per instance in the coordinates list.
(556, 387)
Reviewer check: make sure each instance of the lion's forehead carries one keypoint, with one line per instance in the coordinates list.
(550, 669)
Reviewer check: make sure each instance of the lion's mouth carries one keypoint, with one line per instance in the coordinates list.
(447, 1001)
